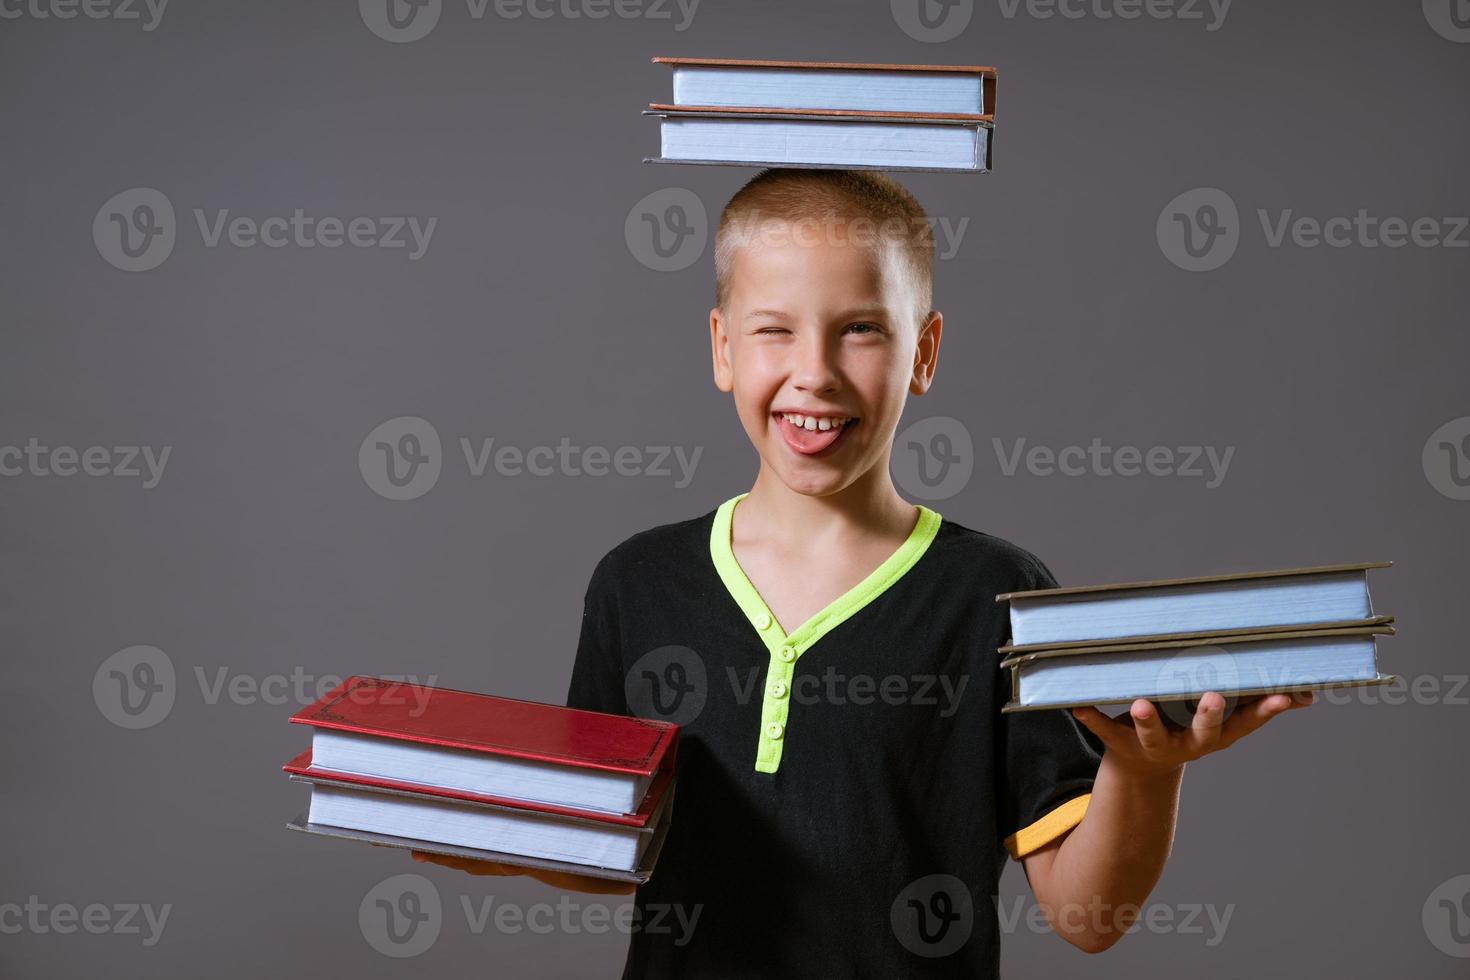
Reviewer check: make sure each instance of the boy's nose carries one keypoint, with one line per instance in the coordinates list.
(813, 369)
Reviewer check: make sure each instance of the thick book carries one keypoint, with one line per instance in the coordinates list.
(851, 140)
(910, 90)
(489, 828)
(1242, 664)
(1208, 605)
(488, 746)
(846, 115)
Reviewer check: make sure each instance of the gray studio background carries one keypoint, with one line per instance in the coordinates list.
(267, 550)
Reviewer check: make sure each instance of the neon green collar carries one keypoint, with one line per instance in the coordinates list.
(784, 649)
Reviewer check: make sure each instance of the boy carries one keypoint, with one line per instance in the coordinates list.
(849, 788)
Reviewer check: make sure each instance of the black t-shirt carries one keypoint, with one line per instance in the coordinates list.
(847, 795)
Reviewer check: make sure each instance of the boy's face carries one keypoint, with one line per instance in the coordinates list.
(819, 345)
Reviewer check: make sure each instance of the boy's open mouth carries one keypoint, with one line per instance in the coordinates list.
(812, 435)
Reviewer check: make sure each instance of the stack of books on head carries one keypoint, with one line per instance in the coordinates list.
(516, 782)
(1295, 629)
(827, 114)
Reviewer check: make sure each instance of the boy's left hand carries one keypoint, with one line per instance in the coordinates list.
(1141, 742)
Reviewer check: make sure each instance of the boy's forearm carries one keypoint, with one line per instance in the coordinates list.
(1113, 858)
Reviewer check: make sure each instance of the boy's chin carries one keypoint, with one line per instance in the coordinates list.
(811, 477)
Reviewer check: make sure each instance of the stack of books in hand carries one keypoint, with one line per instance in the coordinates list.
(827, 114)
(1294, 629)
(496, 779)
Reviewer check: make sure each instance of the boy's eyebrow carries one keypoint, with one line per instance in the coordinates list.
(872, 310)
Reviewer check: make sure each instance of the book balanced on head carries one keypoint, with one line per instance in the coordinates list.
(489, 778)
(827, 114)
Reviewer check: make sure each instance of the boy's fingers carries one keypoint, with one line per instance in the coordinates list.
(1100, 725)
(1260, 711)
(556, 879)
(583, 883)
(1149, 726)
(1206, 728)
(467, 865)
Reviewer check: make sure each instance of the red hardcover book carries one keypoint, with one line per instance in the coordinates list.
(494, 725)
(490, 778)
(300, 768)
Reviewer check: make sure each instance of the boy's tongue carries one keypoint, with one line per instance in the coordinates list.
(808, 441)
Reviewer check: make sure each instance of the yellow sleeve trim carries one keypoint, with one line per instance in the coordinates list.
(1057, 822)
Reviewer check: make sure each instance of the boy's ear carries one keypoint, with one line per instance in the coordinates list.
(719, 343)
(926, 353)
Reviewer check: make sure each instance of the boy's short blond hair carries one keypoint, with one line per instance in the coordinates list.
(839, 206)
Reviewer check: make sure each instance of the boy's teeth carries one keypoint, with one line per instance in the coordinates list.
(813, 423)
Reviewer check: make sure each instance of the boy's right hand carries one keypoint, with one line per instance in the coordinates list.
(556, 879)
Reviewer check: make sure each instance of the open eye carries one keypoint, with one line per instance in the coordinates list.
(864, 326)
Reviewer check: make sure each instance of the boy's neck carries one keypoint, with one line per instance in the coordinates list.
(870, 506)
